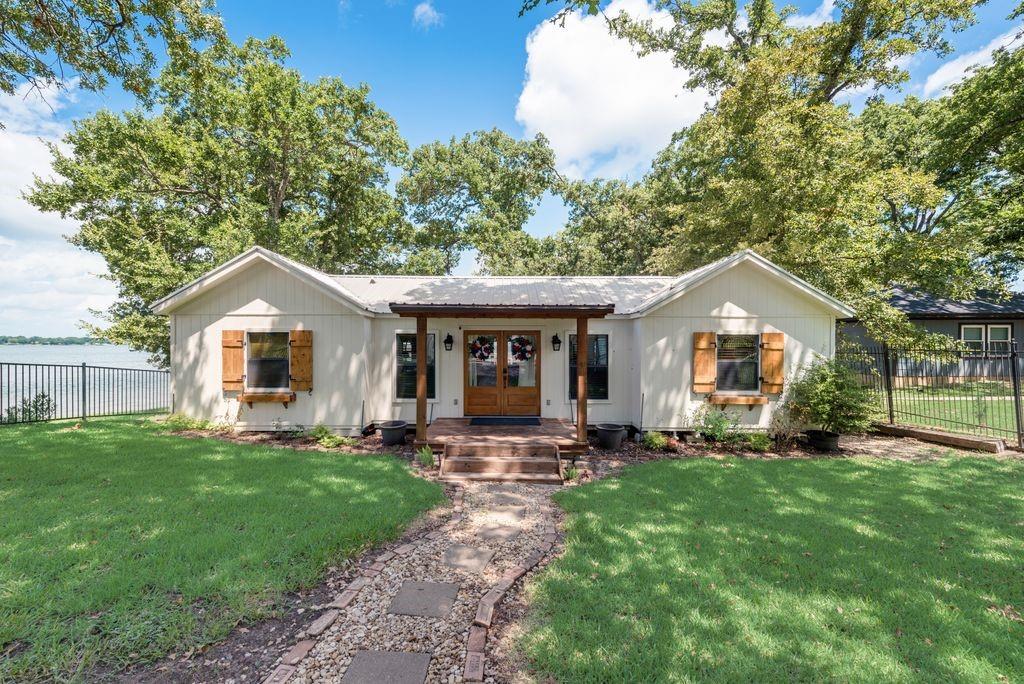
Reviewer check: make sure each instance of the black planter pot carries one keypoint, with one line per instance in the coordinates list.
(610, 435)
(393, 432)
(823, 440)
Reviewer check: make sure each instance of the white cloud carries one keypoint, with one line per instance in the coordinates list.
(606, 111)
(46, 285)
(956, 69)
(821, 15)
(425, 16)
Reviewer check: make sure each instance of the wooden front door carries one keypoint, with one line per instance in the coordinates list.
(502, 373)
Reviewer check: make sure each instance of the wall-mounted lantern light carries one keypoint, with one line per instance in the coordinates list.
(556, 343)
(448, 342)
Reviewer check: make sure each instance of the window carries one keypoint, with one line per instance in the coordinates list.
(999, 339)
(266, 367)
(737, 363)
(973, 337)
(405, 371)
(597, 367)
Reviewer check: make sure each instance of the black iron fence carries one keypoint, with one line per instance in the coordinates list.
(973, 391)
(34, 392)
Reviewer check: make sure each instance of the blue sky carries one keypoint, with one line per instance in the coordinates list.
(441, 68)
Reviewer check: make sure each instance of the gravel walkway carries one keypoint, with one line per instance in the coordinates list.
(514, 521)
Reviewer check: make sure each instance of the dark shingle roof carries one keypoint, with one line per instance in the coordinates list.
(916, 303)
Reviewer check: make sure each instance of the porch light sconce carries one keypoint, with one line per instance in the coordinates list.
(449, 341)
(556, 343)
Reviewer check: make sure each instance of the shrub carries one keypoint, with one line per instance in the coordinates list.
(828, 395)
(326, 438)
(179, 422)
(757, 441)
(714, 424)
(655, 441)
(39, 407)
(425, 456)
(572, 473)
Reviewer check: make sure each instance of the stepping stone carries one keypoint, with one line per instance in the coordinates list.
(373, 667)
(428, 599)
(468, 558)
(493, 532)
(507, 498)
(506, 515)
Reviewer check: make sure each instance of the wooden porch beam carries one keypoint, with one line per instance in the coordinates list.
(581, 379)
(421, 379)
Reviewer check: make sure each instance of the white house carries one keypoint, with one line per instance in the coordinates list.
(265, 343)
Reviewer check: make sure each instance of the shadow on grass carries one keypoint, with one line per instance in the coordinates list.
(120, 543)
(795, 570)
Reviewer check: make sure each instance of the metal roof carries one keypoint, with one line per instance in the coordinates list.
(919, 303)
(625, 292)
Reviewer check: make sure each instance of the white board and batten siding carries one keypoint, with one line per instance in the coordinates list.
(354, 353)
(743, 300)
(265, 298)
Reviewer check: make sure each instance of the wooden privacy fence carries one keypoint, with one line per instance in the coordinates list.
(34, 392)
(972, 391)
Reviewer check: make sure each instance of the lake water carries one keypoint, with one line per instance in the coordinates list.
(93, 354)
(39, 382)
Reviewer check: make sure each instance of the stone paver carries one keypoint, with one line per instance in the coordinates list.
(468, 558)
(428, 599)
(380, 667)
(492, 531)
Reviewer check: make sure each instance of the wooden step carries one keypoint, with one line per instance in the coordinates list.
(537, 478)
(490, 464)
(489, 450)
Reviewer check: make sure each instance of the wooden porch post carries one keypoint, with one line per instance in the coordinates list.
(421, 379)
(581, 379)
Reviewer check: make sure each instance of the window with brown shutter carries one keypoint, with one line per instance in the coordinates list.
(232, 360)
(773, 357)
(704, 371)
(301, 344)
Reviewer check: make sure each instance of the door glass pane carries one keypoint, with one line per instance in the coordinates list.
(483, 361)
(522, 360)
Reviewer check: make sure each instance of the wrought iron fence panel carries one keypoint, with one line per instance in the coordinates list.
(35, 392)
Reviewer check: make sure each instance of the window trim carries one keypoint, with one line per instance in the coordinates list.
(756, 392)
(1008, 341)
(611, 362)
(246, 388)
(394, 367)
(986, 341)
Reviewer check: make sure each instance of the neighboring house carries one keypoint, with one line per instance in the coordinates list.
(265, 343)
(985, 324)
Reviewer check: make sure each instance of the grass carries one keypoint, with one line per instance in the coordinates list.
(785, 570)
(120, 543)
(992, 416)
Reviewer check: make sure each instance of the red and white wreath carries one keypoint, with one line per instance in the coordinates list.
(521, 348)
(482, 348)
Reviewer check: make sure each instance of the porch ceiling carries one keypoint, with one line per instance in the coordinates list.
(503, 310)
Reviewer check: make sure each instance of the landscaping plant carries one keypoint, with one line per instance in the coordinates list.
(655, 441)
(425, 456)
(714, 424)
(828, 395)
(326, 437)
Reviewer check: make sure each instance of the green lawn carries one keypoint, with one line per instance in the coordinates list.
(788, 570)
(992, 417)
(119, 543)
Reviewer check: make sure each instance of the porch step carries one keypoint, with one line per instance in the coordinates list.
(486, 461)
(536, 478)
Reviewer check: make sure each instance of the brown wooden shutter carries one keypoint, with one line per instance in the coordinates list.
(301, 362)
(773, 358)
(232, 360)
(705, 373)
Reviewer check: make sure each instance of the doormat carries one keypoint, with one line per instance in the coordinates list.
(505, 420)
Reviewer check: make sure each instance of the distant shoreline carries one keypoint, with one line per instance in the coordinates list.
(49, 341)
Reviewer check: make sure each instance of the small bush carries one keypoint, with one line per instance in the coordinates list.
(326, 438)
(655, 441)
(572, 473)
(425, 456)
(179, 422)
(714, 424)
(828, 395)
(39, 407)
(757, 441)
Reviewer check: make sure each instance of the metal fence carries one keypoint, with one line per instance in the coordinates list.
(975, 391)
(34, 392)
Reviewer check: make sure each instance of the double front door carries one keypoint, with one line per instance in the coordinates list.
(502, 373)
